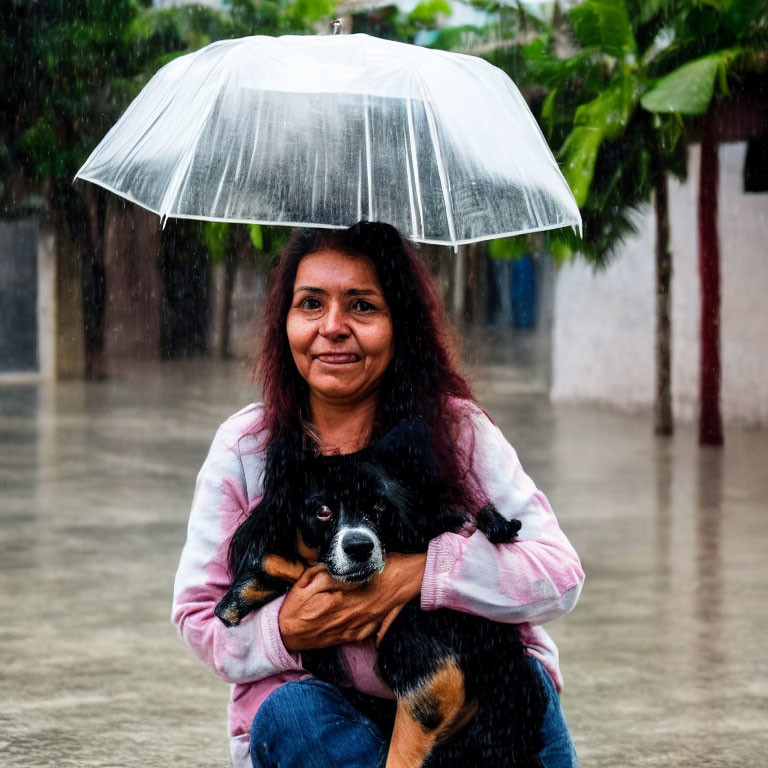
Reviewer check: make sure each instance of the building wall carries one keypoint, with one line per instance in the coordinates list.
(603, 331)
(19, 296)
(27, 300)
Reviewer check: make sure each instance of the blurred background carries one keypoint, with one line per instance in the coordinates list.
(628, 368)
(631, 96)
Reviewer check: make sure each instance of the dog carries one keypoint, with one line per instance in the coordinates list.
(467, 694)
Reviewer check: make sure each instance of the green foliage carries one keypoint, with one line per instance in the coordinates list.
(700, 29)
(216, 236)
(689, 89)
(425, 14)
(611, 110)
(259, 17)
(68, 70)
(592, 114)
(641, 69)
(224, 242)
(578, 157)
(509, 248)
(57, 62)
(603, 25)
(463, 37)
(267, 243)
(257, 236)
(304, 12)
(604, 118)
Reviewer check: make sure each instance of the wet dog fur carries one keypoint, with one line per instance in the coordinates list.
(467, 694)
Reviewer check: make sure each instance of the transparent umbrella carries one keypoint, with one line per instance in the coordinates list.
(325, 131)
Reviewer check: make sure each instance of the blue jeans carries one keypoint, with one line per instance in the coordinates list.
(309, 724)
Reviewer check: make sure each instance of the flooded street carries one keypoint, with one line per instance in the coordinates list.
(664, 656)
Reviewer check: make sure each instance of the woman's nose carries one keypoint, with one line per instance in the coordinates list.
(334, 321)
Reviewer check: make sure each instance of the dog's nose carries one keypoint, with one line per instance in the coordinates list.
(357, 546)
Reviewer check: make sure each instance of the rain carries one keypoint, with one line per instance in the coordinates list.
(610, 319)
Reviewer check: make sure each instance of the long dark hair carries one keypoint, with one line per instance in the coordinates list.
(422, 376)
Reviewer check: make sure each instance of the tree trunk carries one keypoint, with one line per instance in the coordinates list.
(220, 306)
(710, 421)
(475, 284)
(94, 282)
(663, 406)
(84, 212)
(223, 283)
(70, 338)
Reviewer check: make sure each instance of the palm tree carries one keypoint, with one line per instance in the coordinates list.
(615, 154)
(734, 37)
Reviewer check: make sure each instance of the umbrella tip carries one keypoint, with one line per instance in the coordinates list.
(338, 27)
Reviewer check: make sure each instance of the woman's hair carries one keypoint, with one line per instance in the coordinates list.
(422, 375)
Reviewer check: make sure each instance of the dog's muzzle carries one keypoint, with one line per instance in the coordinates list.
(355, 556)
(357, 546)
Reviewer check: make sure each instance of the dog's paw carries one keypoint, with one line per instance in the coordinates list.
(228, 611)
(244, 596)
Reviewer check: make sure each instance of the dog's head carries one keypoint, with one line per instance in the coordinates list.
(359, 507)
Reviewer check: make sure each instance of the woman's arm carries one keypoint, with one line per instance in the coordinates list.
(254, 649)
(534, 579)
(319, 611)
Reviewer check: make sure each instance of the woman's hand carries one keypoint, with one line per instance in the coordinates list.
(319, 612)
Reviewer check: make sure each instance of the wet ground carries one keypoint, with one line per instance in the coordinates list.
(664, 657)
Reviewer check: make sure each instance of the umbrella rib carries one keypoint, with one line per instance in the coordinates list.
(368, 168)
(444, 182)
(415, 166)
(359, 187)
(182, 168)
(411, 206)
(256, 133)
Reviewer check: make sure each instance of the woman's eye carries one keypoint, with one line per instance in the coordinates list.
(310, 303)
(324, 513)
(363, 306)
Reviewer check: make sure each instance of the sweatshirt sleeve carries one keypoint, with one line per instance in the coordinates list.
(254, 649)
(533, 579)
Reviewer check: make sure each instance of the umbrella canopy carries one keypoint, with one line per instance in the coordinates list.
(325, 131)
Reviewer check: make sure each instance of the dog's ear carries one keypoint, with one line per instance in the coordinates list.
(407, 449)
(270, 528)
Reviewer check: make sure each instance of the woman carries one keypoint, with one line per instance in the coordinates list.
(355, 341)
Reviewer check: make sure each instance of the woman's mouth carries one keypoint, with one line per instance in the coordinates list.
(338, 358)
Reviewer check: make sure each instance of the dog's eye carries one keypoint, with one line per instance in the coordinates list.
(324, 513)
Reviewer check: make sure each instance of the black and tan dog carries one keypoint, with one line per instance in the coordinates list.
(467, 694)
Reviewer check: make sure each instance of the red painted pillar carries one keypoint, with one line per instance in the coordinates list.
(710, 421)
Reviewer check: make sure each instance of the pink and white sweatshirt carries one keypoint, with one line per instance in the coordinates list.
(534, 579)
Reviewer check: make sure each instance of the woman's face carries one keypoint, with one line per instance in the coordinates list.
(339, 327)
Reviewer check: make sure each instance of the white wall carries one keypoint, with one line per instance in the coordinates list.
(603, 329)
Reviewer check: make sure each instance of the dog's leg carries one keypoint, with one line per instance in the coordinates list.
(258, 587)
(245, 595)
(429, 714)
(281, 569)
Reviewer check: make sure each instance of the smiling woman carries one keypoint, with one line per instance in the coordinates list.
(355, 343)
(339, 329)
